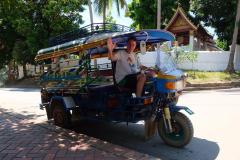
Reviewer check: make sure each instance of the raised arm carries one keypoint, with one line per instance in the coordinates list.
(112, 56)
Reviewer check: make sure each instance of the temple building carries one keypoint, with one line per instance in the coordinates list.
(189, 33)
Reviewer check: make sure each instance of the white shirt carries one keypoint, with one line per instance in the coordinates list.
(126, 64)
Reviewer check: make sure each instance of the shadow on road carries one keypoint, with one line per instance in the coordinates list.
(20, 138)
(132, 137)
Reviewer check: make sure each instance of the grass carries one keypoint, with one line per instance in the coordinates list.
(211, 77)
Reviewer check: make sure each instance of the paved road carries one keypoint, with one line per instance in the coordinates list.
(215, 123)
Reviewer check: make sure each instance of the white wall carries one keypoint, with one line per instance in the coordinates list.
(206, 61)
(20, 72)
(32, 70)
(212, 61)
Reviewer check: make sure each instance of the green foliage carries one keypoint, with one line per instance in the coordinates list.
(3, 76)
(21, 50)
(110, 19)
(26, 26)
(144, 12)
(102, 6)
(7, 38)
(219, 14)
(182, 55)
(211, 77)
(222, 44)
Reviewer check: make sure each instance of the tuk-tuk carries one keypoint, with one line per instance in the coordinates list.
(79, 81)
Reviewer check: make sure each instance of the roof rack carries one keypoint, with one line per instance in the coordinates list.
(87, 31)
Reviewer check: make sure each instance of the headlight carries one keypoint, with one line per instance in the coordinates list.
(178, 85)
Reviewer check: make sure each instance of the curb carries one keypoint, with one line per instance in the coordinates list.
(211, 86)
(207, 88)
(104, 146)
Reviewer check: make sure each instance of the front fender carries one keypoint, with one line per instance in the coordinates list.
(175, 108)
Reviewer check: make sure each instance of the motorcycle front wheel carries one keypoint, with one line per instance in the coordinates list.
(182, 130)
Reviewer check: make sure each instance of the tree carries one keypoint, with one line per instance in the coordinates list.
(90, 11)
(7, 36)
(19, 51)
(110, 19)
(144, 12)
(34, 22)
(221, 44)
(219, 14)
(159, 14)
(230, 67)
(101, 6)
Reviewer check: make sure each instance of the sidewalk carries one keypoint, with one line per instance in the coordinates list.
(22, 138)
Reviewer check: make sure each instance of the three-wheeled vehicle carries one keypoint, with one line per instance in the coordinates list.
(77, 80)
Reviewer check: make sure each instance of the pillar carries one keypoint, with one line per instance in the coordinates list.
(191, 39)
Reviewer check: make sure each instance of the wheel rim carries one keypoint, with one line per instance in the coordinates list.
(178, 132)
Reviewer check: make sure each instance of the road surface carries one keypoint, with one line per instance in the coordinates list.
(216, 128)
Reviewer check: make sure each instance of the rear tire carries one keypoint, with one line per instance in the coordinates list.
(61, 117)
(182, 130)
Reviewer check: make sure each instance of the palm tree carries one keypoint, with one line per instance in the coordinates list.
(90, 10)
(230, 67)
(159, 14)
(101, 6)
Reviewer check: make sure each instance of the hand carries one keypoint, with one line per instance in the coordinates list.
(150, 72)
(110, 45)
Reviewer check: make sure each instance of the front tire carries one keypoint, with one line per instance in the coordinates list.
(61, 117)
(182, 130)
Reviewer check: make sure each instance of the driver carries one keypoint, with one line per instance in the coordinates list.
(127, 66)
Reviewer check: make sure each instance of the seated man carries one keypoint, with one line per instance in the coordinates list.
(127, 66)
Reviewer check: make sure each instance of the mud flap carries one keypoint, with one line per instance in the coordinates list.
(150, 127)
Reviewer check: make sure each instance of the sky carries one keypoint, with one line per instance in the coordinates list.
(120, 19)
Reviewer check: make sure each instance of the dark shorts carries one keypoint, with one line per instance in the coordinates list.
(129, 81)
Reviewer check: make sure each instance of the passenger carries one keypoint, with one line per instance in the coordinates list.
(127, 66)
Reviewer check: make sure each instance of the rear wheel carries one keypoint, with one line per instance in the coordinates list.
(61, 117)
(182, 130)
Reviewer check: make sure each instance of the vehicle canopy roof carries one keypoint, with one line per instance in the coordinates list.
(95, 41)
